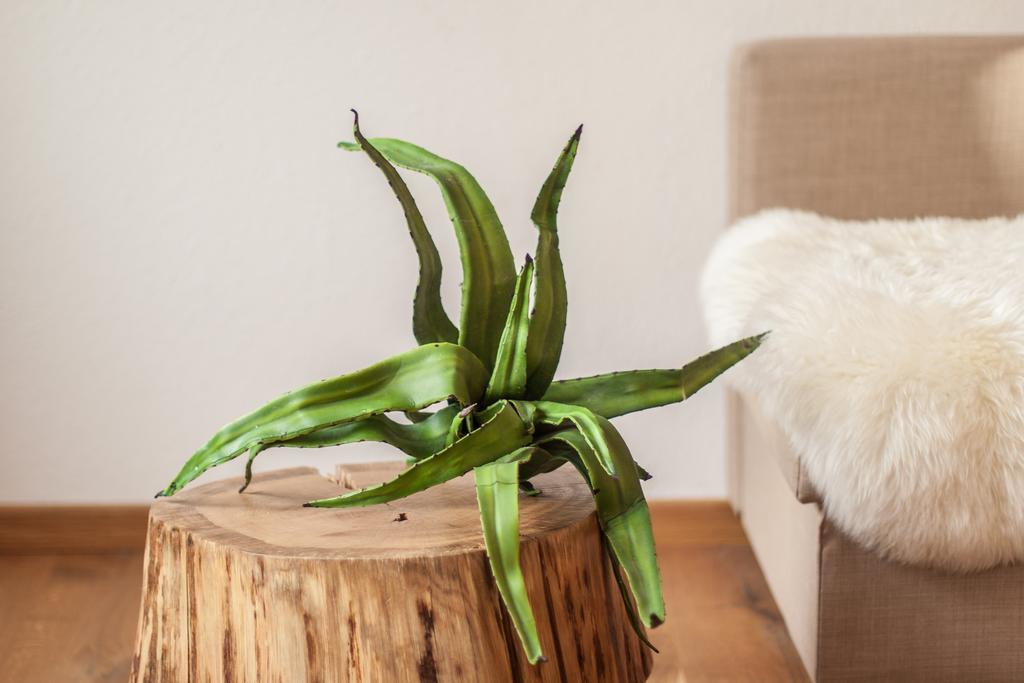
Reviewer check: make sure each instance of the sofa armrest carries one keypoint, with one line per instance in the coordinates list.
(757, 430)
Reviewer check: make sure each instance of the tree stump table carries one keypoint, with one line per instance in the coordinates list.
(255, 587)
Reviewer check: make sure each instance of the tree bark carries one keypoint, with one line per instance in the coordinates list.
(254, 587)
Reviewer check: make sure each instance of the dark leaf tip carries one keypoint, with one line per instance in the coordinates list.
(355, 124)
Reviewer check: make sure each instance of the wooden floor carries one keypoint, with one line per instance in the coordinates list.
(70, 617)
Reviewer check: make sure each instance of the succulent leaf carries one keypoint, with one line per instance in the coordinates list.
(493, 439)
(547, 326)
(497, 494)
(417, 415)
(627, 601)
(599, 433)
(488, 268)
(508, 379)
(408, 381)
(541, 463)
(417, 440)
(430, 323)
(618, 393)
(253, 452)
(631, 538)
(623, 513)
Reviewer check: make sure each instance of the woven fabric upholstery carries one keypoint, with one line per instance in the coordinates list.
(880, 621)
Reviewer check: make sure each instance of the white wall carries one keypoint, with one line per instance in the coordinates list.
(180, 240)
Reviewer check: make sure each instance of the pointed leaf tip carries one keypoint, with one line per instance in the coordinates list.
(578, 133)
(355, 127)
(358, 144)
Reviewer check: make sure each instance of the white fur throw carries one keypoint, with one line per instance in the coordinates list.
(895, 365)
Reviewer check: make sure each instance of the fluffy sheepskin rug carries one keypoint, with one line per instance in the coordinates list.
(895, 364)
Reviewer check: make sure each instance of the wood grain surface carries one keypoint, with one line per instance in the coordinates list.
(256, 587)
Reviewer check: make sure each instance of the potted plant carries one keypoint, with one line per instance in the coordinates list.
(481, 396)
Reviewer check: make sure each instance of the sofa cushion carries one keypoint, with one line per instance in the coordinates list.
(895, 368)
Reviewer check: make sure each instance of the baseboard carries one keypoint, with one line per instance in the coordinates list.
(72, 529)
(90, 529)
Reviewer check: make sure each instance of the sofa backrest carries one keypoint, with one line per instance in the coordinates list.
(889, 127)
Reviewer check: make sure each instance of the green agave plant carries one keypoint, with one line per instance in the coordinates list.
(501, 416)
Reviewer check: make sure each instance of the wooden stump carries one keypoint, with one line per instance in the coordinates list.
(254, 587)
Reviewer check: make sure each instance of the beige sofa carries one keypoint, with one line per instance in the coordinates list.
(862, 128)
